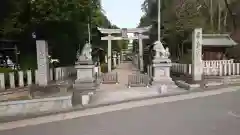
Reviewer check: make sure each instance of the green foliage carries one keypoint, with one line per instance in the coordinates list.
(63, 23)
(28, 62)
(6, 70)
(180, 17)
(186, 58)
(104, 68)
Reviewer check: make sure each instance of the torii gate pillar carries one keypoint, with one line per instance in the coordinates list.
(109, 55)
(140, 52)
(124, 36)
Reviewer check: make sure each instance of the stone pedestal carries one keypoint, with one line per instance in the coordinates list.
(84, 88)
(161, 76)
(162, 72)
(85, 84)
(84, 71)
(43, 72)
(81, 98)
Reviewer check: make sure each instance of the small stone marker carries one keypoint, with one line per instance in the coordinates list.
(163, 89)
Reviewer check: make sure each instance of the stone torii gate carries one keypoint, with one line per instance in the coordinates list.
(138, 35)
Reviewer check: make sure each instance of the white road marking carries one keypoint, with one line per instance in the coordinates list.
(112, 108)
(234, 114)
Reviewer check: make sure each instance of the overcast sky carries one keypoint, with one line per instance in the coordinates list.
(123, 13)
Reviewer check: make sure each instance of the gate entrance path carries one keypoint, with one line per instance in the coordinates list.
(109, 93)
(112, 93)
(122, 70)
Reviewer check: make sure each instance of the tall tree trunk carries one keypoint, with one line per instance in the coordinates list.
(211, 15)
(178, 51)
(219, 17)
(182, 51)
(232, 16)
(225, 21)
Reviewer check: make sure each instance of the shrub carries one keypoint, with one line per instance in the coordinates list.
(186, 58)
(104, 68)
(6, 70)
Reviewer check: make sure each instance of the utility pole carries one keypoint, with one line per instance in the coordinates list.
(159, 20)
(89, 21)
(89, 32)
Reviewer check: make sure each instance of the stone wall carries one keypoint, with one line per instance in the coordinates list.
(13, 108)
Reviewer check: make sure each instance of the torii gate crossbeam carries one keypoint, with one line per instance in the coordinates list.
(139, 36)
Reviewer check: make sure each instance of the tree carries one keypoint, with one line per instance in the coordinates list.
(231, 13)
(180, 17)
(63, 23)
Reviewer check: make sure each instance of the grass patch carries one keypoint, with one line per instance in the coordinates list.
(6, 70)
(20, 98)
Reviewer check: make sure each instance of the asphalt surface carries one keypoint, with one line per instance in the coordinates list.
(213, 115)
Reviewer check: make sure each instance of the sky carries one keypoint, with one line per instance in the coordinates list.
(123, 13)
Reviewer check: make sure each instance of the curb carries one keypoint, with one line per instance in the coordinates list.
(7, 119)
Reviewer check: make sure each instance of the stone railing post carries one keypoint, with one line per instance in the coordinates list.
(2, 81)
(29, 77)
(20, 79)
(12, 80)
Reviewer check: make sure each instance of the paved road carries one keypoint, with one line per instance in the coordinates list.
(214, 115)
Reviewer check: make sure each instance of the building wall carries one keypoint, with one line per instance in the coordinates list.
(213, 53)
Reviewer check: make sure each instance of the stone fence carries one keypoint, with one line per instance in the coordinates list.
(19, 79)
(224, 69)
(211, 63)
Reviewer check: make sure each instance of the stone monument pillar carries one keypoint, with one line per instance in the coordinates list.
(161, 64)
(197, 68)
(119, 59)
(122, 56)
(42, 63)
(114, 60)
(136, 61)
